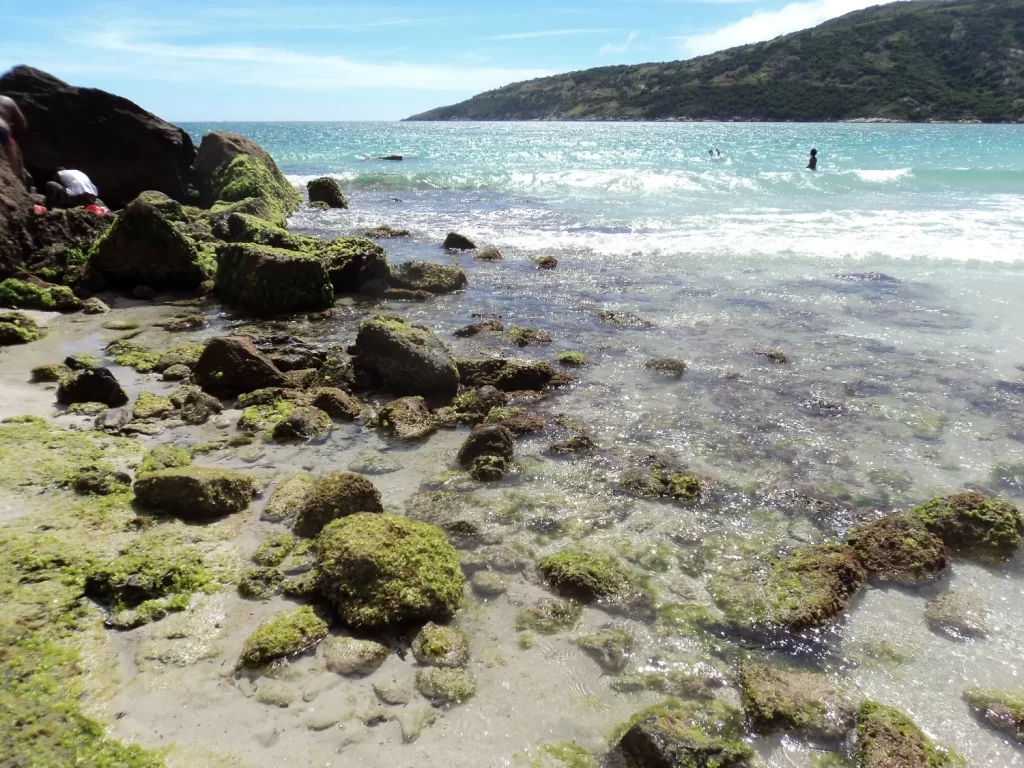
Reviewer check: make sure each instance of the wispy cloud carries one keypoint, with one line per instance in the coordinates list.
(546, 33)
(765, 25)
(609, 49)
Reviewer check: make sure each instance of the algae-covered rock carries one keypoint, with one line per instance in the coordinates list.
(260, 583)
(999, 710)
(490, 253)
(288, 634)
(144, 247)
(150, 406)
(610, 648)
(195, 493)
(303, 424)
(473, 406)
(407, 418)
(186, 355)
(489, 325)
(49, 373)
(231, 365)
(348, 656)
(807, 589)
(523, 337)
(973, 525)
(886, 738)
(549, 616)
(783, 698)
(165, 456)
(600, 579)
(899, 549)
(958, 615)
(20, 294)
(86, 409)
(443, 686)
(290, 496)
(17, 328)
(379, 570)
(572, 359)
(488, 583)
(267, 281)
(656, 476)
(507, 375)
(177, 373)
(487, 440)
(685, 735)
(405, 359)
(337, 403)
(326, 190)
(93, 385)
(99, 481)
(197, 407)
(670, 367)
(441, 646)
(336, 495)
(354, 264)
(428, 276)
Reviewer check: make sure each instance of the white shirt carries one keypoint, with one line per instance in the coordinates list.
(77, 183)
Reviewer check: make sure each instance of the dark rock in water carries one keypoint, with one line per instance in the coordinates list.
(303, 424)
(610, 648)
(93, 385)
(233, 173)
(404, 359)
(336, 495)
(143, 247)
(772, 355)
(113, 419)
(337, 403)
(195, 492)
(690, 734)
(487, 440)
(457, 242)
(268, 281)
(355, 265)
(667, 366)
(484, 326)
(489, 253)
(1000, 710)
(597, 579)
(778, 698)
(391, 157)
(958, 615)
(407, 418)
(579, 445)
(623, 319)
(198, 407)
(231, 365)
(472, 407)
(385, 232)
(523, 337)
(659, 476)
(899, 549)
(546, 262)
(869, 277)
(336, 372)
(123, 148)
(428, 276)
(290, 353)
(326, 190)
(507, 375)
(887, 738)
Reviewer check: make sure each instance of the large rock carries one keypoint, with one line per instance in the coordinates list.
(428, 276)
(15, 215)
(268, 281)
(57, 241)
(231, 169)
(406, 359)
(385, 571)
(973, 525)
(355, 264)
(507, 375)
(337, 495)
(231, 365)
(145, 247)
(195, 493)
(123, 148)
(327, 191)
(93, 385)
(887, 738)
(687, 735)
(899, 549)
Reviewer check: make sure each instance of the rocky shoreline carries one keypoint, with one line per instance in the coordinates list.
(144, 505)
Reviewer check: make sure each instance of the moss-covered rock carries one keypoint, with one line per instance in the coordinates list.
(407, 418)
(546, 262)
(572, 359)
(267, 281)
(807, 589)
(260, 583)
(303, 424)
(349, 656)
(93, 385)
(150, 406)
(243, 228)
(782, 698)
(165, 456)
(507, 375)
(337, 403)
(336, 495)
(405, 359)
(197, 407)
(443, 686)
(598, 579)
(973, 525)
(549, 616)
(474, 406)
(288, 634)
(428, 276)
(999, 710)
(670, 367)
(685, 735)
(354, 264)
(19, 294)
(100, 481)
(523, 337)
(440, 646)
(610, 648)
(379, 570)
(657, 476)
(886, 737)
(17, 328)
(144, 247)
(49, 373)
(195, 493)
(177, 373)
(899, 549)
(326, 190)
(186, 355)
(290, 496)
(487, 440)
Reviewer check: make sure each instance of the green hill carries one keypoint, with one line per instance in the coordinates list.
(913, 61)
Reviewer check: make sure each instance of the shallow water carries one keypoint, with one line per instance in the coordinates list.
(890, 280)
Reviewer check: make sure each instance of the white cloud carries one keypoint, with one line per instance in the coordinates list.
(610, 49)
(765, 25)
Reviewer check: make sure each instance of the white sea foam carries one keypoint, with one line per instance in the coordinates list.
(882, 176)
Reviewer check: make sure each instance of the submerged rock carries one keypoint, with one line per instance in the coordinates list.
(676, 735)
(326, 190)
(231, 365)
(782, 698)
(488, 583)
(348, 656)
(487, 440)
(886, 737)
(195, 493)
(507, 375)
(384, 571)
(489, 253)
(899, 549)
(385, 232)
(288, 634)
(546, 262)
(549, 616)
(1000, 710)
(671, 367)
(405, 359)
(610, 648)
(973, 525)
(441, 646)
(407, 418)
(657, 476)
(473, 407)
(490, 325)
(456, 242)
(523, 337)
(597, 579)
(92, 385)
(428, 276)
(623, 319)
(957, 614)
(443, 686)
(336, 495)
(303, 424)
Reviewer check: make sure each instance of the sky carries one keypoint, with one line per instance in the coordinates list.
(213, 60)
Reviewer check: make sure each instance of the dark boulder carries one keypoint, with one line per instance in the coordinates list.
(507, 375)
(487, 440)
(231, 365)
(403, 358)
(267, 281)
(428, 276)
(15, 215)
(195, 493)
(58, 241)
(457, 242)
(123, 148)
(326, 190)
(93, 385)
(355, 265)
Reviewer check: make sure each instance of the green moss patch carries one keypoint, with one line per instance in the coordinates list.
(973, 525)
(286, 635)
(17, 328)
(887, 737)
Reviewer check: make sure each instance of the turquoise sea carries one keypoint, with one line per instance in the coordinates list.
(891, 280)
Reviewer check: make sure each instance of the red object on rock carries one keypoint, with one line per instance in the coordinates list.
(99, 210)
(40, 209)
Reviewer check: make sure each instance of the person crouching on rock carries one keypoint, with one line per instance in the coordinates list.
(70, 189)
(12, 121)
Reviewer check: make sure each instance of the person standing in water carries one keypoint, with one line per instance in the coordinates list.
(813, 164)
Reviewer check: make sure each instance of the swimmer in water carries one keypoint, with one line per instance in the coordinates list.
(813, 164)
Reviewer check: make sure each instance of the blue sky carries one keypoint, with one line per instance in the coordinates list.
(197, 60)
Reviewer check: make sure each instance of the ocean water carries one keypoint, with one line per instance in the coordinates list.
(891, 280)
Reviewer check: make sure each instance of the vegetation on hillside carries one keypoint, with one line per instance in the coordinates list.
(914, 61)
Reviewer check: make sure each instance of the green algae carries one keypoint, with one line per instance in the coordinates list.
(274, 551)
(135, 356)
(441, 646)
(887, 737)
(549, 617)
(288, 634)
(336, 495)
(1001, 710)
(165, 456)
(22, 295)
(697, 726)
(195, 492)
(782, 698)
(150, 406)
(247, 177)
(563, 754)
(18, 328)
(86, 409)
(445, 686)
(256, 418)
(290, 495)
(51, 373)
(260, 583)
(586, 576)
(973, 525)
(267, 281)
(572, 359)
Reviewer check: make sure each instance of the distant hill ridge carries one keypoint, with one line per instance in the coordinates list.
(942, 60)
